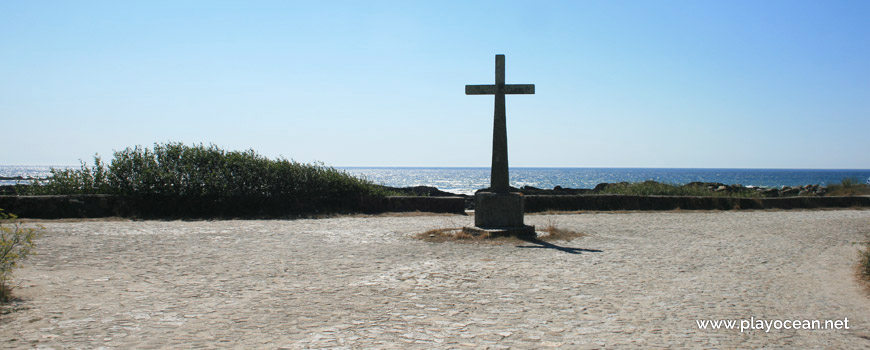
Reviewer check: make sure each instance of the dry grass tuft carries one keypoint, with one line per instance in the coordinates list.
(439, 234)
(551, 232)
(456, 234)
(864, 264)
(848, 187)
(554, 233)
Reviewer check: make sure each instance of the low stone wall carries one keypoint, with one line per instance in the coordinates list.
(623, 202)
(454, 205)
(45, 207)
(94, 206)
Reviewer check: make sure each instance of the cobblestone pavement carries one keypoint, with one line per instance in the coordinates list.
(637, 280)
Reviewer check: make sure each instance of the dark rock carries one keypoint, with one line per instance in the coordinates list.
(789, 192)
(712, 186)
(424, 191)
(7, 190)
(600, 187)
(770, 192)
(558, 190)
(20, 178)
(603, 186)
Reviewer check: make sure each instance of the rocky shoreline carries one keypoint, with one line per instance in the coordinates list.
(714, 188)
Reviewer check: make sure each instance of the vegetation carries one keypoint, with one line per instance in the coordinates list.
(848, 187)
(177, 170)
(554, 232)
(551, 232)
(16, 243)
(864, 265)
(652, 188)
(86, 180)
(440, 235)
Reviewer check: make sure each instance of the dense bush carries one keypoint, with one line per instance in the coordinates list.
(16, 243)
(174, 169)
(86, 180)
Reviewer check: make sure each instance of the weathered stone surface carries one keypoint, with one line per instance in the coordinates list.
(525, 231)
(770, 192)
(94, 206)
(498, 210)
(789, 191)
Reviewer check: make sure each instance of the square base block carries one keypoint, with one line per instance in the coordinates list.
(498, 210)
(522, 232)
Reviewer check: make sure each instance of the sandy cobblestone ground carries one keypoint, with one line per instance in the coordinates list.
(636, 280)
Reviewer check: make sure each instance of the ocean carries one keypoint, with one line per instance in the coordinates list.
(468, 180)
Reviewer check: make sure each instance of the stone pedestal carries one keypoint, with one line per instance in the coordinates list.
(499, 214)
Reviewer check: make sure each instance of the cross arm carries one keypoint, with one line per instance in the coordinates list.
(480, 89)
(509, 89)
(527, 89)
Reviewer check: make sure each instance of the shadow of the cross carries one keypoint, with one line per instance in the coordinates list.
(548, 245)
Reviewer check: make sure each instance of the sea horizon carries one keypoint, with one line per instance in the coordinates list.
(571, 167)
(467, 180)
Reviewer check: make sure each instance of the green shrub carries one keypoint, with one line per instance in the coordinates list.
(849, 186)
(174, 169)
(865, 262)
(848, 182)
(85, 180)
(16, 243)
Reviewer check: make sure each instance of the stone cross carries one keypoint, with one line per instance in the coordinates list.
(499, 178)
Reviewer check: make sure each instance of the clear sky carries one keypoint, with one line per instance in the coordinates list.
(721, 84)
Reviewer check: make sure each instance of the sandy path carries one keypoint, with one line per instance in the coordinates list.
(363, 283)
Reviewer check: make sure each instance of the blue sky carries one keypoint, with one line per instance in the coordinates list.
(722, 84)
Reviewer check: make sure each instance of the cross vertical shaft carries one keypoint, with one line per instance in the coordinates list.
(499, 176)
